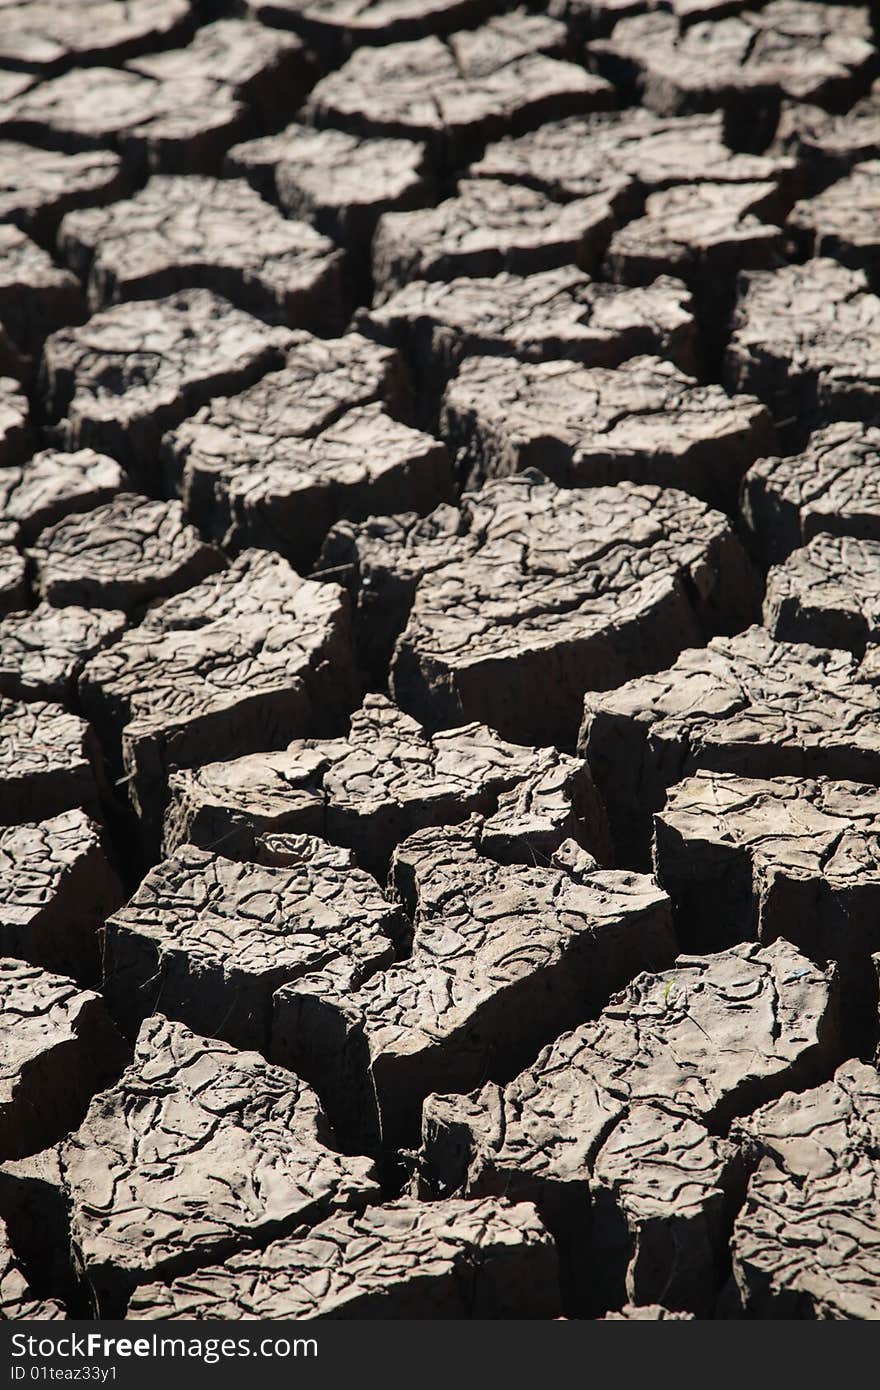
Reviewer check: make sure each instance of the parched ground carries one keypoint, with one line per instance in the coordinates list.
(439, 659)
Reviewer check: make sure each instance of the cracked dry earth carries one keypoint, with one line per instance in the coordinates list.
(439, 659)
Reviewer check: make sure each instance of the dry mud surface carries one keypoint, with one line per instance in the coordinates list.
(439, 659)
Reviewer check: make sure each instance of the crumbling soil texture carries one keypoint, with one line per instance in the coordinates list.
(439, 659)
